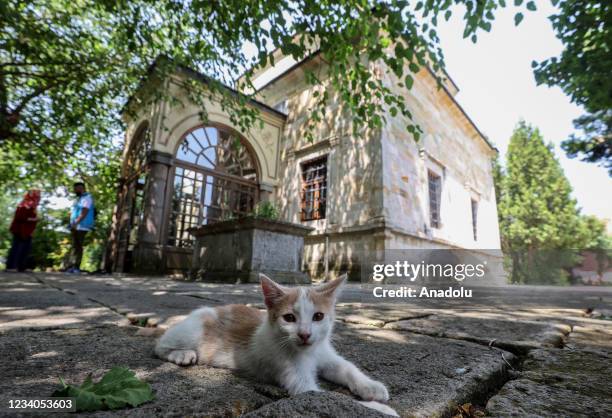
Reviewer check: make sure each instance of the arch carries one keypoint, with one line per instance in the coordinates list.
(171, 140)
(215, 177)
(220, 148)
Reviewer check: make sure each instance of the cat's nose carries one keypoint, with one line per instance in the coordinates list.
(304, 336)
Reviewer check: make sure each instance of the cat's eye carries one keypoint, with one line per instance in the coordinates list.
(318, 316)
(289, 317)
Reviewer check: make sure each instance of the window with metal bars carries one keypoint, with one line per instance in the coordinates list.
(475, 219)
(214, 180)
(435, 194)
(314, 189)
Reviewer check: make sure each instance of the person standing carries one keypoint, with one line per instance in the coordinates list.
(81, 222)
(22, 228)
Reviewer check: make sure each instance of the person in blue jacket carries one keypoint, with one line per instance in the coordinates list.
(82, 218)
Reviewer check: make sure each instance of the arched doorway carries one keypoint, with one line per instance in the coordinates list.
(215, 178)
(135, 175)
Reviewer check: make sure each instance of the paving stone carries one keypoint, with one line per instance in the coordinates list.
(561, 382)
(513, 335)
(425, 376)
(377, 314)
(525, 398)
(315, 405)
(26, 303)
(592, 337)
(36, 359)
(435, 360)
(161, 299)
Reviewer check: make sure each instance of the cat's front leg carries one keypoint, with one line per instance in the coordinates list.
(337, 369)
(296, 380)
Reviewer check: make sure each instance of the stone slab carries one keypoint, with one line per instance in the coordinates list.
(573, 381)
(34, 360)
(518, 336)
(425, 376)
(595, 337)
(430, 369)
(377, 314)
(27, 303)
(315, 405)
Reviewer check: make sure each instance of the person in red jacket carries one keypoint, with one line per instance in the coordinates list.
(22, 228)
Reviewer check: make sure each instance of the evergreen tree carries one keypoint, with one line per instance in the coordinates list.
(540, 222)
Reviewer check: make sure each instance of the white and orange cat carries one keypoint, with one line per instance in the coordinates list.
(288, 345)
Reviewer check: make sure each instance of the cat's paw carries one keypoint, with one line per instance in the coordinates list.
(183, 357)
(371, 390)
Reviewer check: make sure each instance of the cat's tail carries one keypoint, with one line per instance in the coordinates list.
(151, 332)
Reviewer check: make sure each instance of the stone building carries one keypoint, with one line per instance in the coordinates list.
(375, 190)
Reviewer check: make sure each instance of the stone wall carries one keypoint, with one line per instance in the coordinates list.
(354, 175)
(377, 183)
(451, 147)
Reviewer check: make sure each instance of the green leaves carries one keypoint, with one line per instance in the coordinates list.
(409, 81)
(67, 68)
(582, 71)
(518, 18)
(117, 389)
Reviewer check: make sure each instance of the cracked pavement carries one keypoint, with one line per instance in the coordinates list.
(518, 359)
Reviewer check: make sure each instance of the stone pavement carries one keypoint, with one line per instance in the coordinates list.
(542, 357)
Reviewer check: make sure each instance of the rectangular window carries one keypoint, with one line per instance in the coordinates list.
(314, 189)
(435, 194)
(475, 219)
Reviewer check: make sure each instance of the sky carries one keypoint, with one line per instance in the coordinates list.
(497, 89)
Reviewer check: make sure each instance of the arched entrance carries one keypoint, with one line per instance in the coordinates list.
(215, 178)
(135, 175)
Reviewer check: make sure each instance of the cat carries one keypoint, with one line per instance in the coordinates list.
(288, 344)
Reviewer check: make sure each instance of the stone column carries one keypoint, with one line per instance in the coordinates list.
(115, 252)
(266, 192)
(148, 254)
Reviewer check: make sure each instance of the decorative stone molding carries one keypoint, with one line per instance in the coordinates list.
(322, 145)
(250, 223)
(266, 187)
(161, 157)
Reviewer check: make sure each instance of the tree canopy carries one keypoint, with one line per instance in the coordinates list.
(541, 227)
(583, 72)
(68, 66)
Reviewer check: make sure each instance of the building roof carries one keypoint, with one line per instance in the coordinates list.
(196, 75)
(314, 54)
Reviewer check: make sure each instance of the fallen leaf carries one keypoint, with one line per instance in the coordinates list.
(118, 388)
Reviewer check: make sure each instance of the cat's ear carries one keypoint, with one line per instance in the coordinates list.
(272, 291)
(332, 288)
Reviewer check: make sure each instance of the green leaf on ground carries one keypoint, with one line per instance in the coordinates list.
(118, 388)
